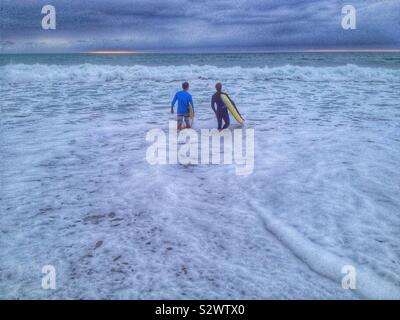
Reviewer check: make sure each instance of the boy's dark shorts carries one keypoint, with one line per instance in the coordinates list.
(183, 115)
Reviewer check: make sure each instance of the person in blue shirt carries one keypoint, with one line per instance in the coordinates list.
(184, 98)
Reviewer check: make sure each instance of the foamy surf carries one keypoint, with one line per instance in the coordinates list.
(327, 149)
(369, 284)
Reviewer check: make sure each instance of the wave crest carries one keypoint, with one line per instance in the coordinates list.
(14, 73)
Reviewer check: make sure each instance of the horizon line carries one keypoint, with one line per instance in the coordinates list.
(122, 52)
(248, 51)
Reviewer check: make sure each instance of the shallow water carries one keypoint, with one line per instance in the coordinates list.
(78, 193)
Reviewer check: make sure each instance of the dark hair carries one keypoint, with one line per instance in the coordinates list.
(185, 86)
(218, 86)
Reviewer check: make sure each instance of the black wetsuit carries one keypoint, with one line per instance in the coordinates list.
(221, 111)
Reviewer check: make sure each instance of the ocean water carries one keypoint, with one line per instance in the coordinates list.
(77, 192)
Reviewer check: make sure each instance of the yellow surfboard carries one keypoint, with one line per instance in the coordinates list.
(232, 108)
(191, 113)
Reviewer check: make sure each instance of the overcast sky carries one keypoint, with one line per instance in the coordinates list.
(197, 25)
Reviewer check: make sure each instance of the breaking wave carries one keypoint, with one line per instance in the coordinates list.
(15, 73)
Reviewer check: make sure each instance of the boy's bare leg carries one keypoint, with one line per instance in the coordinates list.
(180, 119)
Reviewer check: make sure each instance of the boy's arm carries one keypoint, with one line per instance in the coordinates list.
(173, 103)
(213, 104)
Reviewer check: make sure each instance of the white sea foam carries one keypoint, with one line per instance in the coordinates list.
(78, 193)
(367, 283)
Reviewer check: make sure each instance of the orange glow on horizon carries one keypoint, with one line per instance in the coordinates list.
(114, 52)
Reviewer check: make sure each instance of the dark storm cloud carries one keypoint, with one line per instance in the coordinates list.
(200, 24)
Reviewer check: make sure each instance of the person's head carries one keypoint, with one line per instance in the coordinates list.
(185, 86)
(218, 86)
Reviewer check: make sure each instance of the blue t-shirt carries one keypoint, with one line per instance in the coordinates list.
(184, 98)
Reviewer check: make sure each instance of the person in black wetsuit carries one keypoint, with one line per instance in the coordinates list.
(221, 111)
